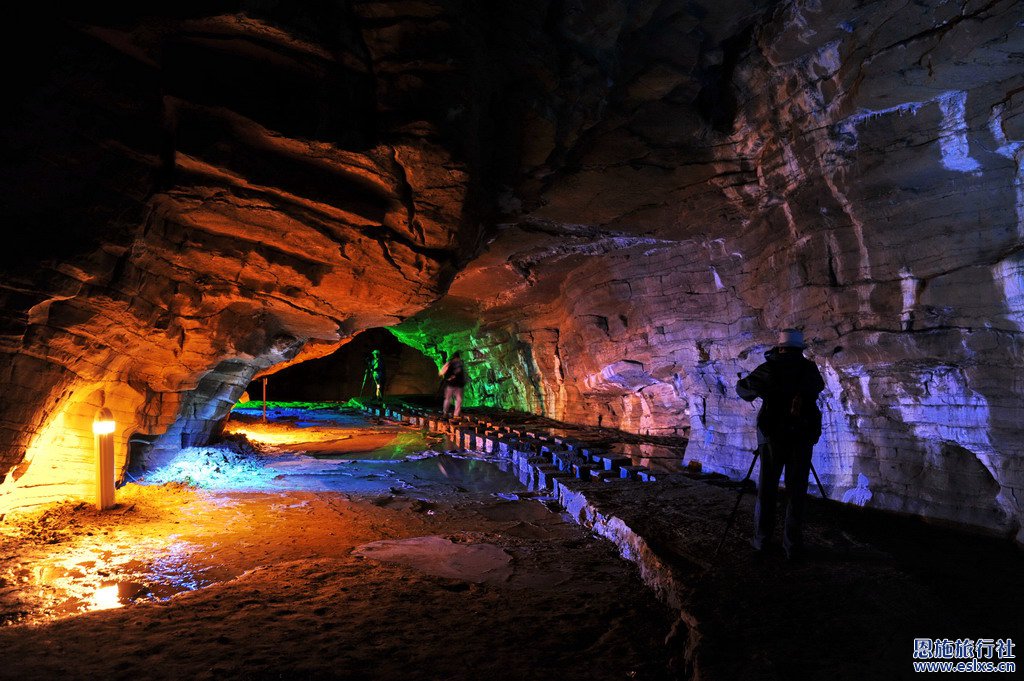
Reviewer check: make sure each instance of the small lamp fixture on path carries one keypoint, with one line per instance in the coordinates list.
(103, 428)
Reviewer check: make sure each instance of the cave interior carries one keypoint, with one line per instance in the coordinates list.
(610, 208)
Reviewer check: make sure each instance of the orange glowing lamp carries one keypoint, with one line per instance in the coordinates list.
(104, 423)
(103, 427)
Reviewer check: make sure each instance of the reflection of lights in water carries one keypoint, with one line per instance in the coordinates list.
(175, 569)
(279, 436)
(350, 438)
(106, 598)
(80, 579)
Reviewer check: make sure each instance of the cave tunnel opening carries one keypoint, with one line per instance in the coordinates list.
(346, 373)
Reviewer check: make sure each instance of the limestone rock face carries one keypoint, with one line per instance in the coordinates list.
(854, 173)
(611, 207)
(194, 197)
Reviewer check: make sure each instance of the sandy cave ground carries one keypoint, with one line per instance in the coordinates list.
(368, 560)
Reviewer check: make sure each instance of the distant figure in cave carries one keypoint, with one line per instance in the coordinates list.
(453, 377)
(788, 426)
(375, 371)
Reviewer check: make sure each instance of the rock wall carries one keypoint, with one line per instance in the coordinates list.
(195, 197)
(885, 155)
(852, 172)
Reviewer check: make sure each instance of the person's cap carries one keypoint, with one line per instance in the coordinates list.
(791, 338)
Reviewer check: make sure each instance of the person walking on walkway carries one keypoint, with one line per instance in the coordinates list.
(375, 367)
(788, 426)
(453, 377)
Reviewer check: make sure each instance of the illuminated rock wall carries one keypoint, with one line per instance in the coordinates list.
(856, 173)
(192, 199)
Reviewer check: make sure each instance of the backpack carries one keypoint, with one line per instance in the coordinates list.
(790, 409)
(455, 376)
(797, 416)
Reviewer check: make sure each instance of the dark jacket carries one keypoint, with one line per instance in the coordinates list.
(454, 373)
(788, 384)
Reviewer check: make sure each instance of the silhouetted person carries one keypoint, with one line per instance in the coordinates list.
(375, 370)
(788, 425)
(453, 377)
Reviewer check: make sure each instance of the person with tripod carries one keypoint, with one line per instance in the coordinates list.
(788, 426)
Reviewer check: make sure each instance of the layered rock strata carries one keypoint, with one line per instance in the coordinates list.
(195, 198)
(852, 172)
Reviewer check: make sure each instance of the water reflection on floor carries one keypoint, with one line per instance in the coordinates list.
(319, 451)
(370, 446)
(433, 475)
(99, 574)
(343, 451)
(330, 433)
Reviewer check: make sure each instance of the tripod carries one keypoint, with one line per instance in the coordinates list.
(366, 375)
(743, 488)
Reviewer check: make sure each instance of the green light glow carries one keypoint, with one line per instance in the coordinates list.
(499, 369)
(258, 404)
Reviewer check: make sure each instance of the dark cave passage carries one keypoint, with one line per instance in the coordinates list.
(345, 374)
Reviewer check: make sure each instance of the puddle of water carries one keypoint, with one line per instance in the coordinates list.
(84, 579)
(370, 447)
(439, 556)
(658, 458)
(438, 475)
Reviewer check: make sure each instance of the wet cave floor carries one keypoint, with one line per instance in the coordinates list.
(342, 549)
(325, 544)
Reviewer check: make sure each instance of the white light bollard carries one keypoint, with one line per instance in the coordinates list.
(103, 428)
